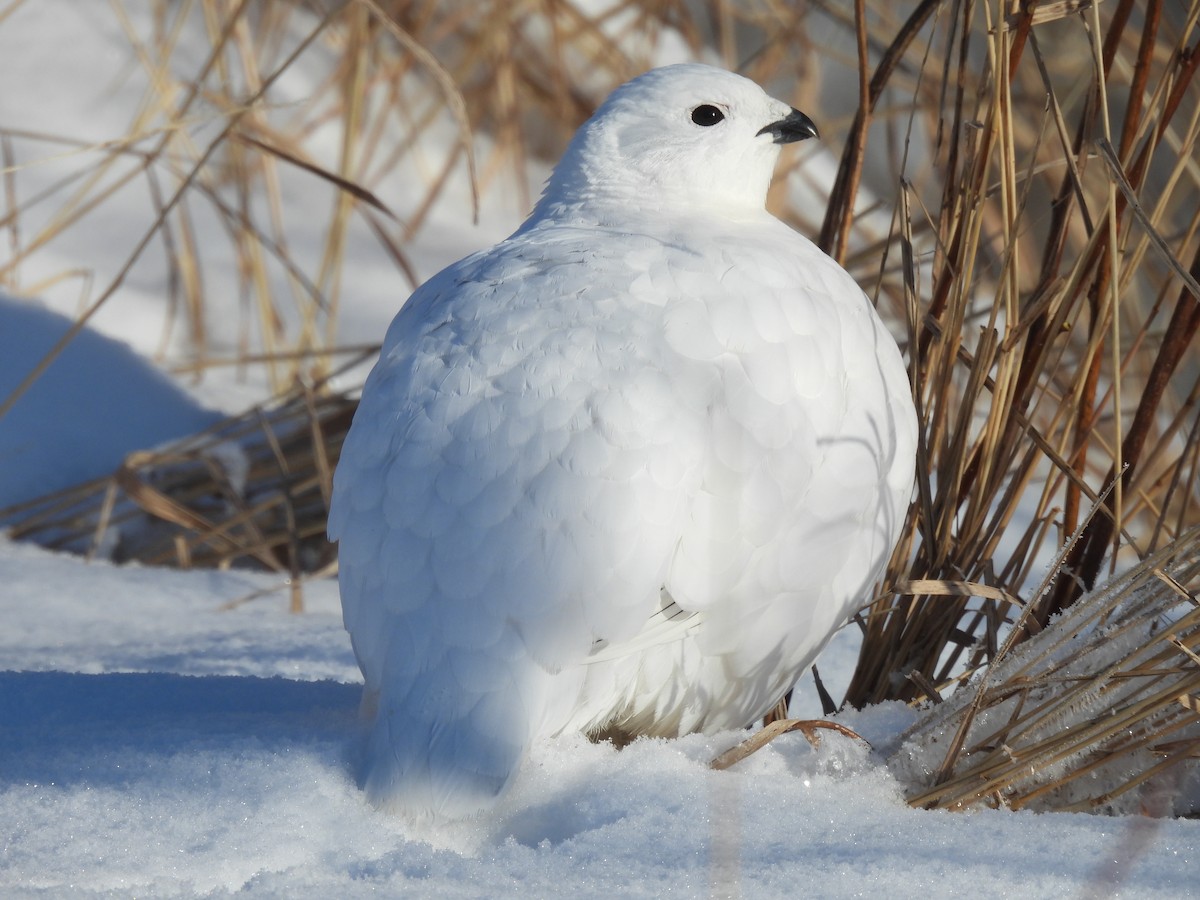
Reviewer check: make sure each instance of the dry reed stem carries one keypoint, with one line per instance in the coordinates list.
(1007, 425)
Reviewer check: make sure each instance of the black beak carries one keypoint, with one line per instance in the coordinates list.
(794, 127)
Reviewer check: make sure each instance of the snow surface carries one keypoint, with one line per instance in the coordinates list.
(163, 735)
(50, 439)
(155, 742)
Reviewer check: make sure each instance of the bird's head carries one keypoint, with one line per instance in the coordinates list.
(689, 137)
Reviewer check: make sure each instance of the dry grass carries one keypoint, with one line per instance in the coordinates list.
(251, 490)
(1097, 713)
(1049, 322)
(1051, 319)
(1038, 163)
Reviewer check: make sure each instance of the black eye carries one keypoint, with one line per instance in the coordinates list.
(706, 114)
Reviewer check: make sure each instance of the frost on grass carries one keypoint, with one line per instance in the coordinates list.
(1098, 713)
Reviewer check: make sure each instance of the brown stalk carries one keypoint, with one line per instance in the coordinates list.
(1085, 561)
(842, 195)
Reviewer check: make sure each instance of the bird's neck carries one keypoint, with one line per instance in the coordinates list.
(614, 205)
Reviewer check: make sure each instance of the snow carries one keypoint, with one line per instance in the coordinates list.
(50, 439)
(157, 737)
(167, 733)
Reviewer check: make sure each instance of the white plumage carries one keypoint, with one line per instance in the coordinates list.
(625, 471)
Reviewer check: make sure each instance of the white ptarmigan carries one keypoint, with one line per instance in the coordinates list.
(627, 470)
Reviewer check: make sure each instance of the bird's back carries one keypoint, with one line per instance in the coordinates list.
(600, 479)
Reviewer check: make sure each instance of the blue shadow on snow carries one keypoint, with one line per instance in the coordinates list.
(61, 727)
